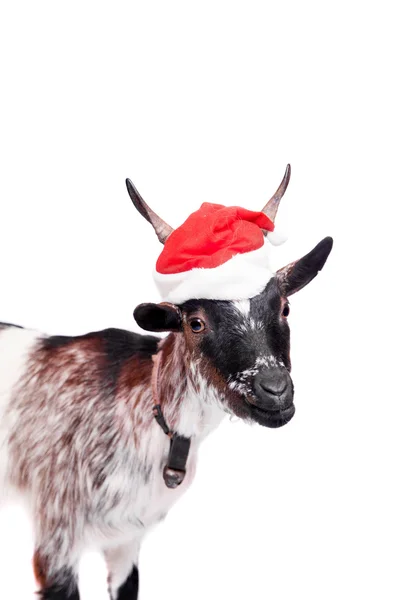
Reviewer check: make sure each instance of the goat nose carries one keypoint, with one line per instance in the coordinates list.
(273, 389)
(274, 386)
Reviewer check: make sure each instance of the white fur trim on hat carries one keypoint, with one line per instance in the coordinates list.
(277, 237)
(243, 276)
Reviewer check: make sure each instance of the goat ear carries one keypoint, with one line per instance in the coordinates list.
(158, 317)
(297, 274)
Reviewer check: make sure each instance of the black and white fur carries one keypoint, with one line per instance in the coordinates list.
(78, 440)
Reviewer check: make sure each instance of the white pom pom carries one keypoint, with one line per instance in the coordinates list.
(276, 237)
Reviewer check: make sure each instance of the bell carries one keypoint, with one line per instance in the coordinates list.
(173, 477)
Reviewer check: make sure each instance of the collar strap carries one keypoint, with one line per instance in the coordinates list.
(175, 470)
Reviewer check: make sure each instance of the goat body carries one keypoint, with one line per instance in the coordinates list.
(79, 442)
(77, 435)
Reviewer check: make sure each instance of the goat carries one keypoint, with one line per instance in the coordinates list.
(78, 437)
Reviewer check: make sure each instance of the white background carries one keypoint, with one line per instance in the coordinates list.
(208, 101)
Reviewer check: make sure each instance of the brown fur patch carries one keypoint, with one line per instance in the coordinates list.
(53, 374)
(40, 570)
(173, 376)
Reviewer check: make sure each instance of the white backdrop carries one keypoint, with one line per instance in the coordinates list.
(208, 102)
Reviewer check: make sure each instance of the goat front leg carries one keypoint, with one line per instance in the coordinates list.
(123, 574)
(55, 582)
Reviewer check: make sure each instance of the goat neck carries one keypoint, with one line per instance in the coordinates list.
(190, 404)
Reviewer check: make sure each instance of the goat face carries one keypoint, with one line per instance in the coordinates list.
(243, 347)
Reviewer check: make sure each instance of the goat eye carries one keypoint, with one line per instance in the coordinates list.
(197, 325)
(286, 310)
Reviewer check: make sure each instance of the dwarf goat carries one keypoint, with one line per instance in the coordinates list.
(100, 432)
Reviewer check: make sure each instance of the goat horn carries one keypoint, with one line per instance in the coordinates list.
(271, 208)
(162, 229)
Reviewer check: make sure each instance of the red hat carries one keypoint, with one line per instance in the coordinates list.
(217, 253)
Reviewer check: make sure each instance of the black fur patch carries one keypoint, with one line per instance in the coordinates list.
(122, 345)
(116, 346)
(231, 344)
(130, 589)
(267, 307)
(119, 344)
(65, 591)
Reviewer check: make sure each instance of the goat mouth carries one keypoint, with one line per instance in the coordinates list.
(271, 418)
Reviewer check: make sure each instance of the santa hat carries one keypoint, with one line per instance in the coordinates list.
(218, 253)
